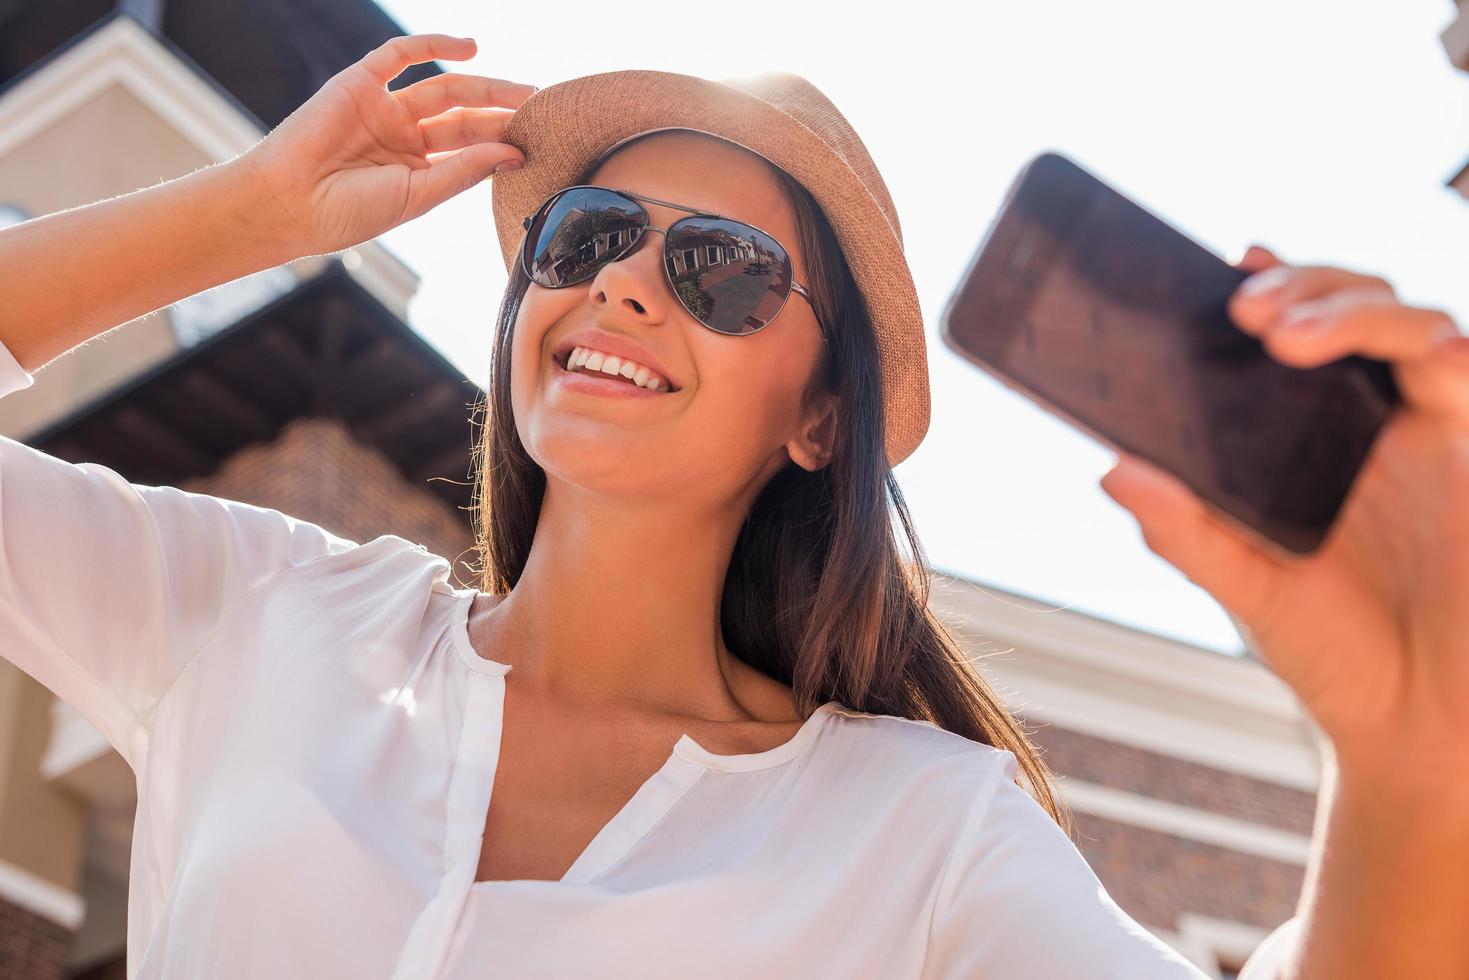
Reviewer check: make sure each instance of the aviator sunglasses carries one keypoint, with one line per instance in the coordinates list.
(731, 276)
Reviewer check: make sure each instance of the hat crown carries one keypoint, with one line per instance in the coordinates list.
(809, 106)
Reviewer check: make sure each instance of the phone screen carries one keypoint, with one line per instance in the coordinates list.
(1114, 320)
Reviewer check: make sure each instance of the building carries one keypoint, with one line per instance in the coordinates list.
(1193, 773)
(1455, 38)
(253, 390)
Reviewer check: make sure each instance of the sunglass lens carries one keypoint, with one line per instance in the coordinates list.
(732, 277)
(577, 232)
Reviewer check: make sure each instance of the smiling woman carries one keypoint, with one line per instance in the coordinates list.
(699, 676)
(698, 719)
(745, 420)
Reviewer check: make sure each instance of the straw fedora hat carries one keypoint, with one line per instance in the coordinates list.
(565, 128)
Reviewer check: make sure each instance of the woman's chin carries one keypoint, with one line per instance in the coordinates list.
(608, 465)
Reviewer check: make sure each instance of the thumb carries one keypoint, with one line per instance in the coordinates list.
(454, 173)
(1257, 258)
(1177, 526)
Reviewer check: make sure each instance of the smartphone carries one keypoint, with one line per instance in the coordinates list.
(1106, 316)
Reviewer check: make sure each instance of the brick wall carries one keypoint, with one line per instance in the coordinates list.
(1164, 777)
(1154, 875)
(109, 970)
(318, 472)
(32, 947)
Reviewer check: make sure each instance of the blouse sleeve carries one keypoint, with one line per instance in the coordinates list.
(1269, 960)
(1019, 902)
(107, 588)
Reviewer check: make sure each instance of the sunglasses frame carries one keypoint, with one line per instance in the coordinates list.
(796, 287)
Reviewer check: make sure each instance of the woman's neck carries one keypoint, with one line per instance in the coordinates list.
(619, 604)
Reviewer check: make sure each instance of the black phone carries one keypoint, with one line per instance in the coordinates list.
(1106, 316)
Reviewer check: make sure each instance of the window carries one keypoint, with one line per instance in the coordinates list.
(196, 317)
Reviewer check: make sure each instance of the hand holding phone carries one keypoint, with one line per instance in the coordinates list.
(1107, 317)
(1369, 628)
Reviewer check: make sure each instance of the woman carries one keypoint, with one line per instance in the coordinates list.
(724, 737)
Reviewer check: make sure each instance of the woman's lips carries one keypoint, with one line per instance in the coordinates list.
(598, 383)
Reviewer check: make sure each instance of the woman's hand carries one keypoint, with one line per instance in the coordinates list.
(1372, 631)
(353, 160)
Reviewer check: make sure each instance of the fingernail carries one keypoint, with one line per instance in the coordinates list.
(1299, 323)
(508, 165)
(1456, 347)
(1264, 283)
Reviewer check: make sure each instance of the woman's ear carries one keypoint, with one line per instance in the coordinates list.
(813, 444)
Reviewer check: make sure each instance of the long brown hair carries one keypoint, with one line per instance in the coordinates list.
(817, 595)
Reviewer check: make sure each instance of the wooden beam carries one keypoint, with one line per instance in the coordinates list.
(365, 367)
(290, 357)
(418, 409)
(376, 376)
(450, 464)
(334, 324)
(220, 401)
(172, 448)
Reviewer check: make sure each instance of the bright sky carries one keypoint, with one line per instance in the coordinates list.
(1324, 130)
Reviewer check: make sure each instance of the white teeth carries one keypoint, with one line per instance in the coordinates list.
(583, 358)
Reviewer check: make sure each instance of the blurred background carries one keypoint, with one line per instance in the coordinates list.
(339, 388)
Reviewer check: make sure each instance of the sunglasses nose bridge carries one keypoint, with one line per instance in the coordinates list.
(637, 246)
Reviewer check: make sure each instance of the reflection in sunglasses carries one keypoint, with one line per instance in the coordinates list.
(729, 275)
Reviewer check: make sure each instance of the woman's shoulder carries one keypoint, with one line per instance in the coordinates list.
(913, 734)
(399, 580)
(387, 557)
(918, 750)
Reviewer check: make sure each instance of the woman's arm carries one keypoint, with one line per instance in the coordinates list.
(72, 275)
(1387, 886)
(348, 165)
(1371, 631)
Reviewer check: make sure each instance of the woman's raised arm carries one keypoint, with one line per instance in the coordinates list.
(1371, 631)
(349, 164)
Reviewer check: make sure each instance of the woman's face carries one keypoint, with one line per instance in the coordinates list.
(736, 416)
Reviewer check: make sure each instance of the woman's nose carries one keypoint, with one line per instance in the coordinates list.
(636, 281)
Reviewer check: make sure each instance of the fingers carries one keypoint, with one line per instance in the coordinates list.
(1366, 321)
(1179, 528)
(1263, 299)
(1308, 316)
(433, 96)
(454, 173)
(387, 61)
(463, 127)
(1257, 258)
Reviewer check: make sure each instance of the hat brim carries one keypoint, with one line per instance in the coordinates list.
(565, 128)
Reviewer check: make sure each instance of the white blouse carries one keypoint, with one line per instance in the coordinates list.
(315, 740)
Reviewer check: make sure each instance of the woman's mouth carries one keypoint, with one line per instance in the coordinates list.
(597, 382)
